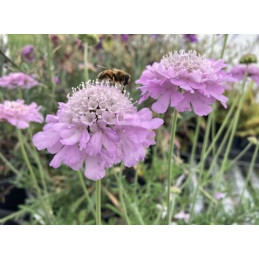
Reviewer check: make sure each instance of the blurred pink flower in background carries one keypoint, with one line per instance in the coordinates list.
(191, 37)
(182, 216)
(28, 53)
(238, 72)
(220, 195)
(185, 81)
(56, 80)
(19, 114)
(125, 37)
(18, 80)
(98, 126)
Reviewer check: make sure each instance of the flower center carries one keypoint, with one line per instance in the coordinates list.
(93, 101)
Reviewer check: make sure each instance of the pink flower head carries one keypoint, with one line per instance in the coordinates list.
(98, 126)
(191, 37)
(56, 80)
(219, 195)
(28, 53)
(185, 81)
(182, 216)
(238, 72)
(16, 80)
(19, 114)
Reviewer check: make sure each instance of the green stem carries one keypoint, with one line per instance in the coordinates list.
(12, 216)
(1, 97)
(233, 132)
(98, 203)
(119, 180)
(49, 64)
(135, 210)
(202, 162)
(8, 164)
(213, 128)
(233, 162)
(224, 45)
(38, 162)
(26, 159)
(86, 61)
(222, 127)
(20, 93)
(215, 158)
(33, 177)
(212, 45)
(251, 167)
(173, 131)
(222, 144)
(82, 182)
(171, 212)
(137, 214)
(195, 141)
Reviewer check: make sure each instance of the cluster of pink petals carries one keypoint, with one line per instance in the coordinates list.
(185, 81)
(19, 114)
(238, 72)
(99, 127)
(28, 53)
(18, 80)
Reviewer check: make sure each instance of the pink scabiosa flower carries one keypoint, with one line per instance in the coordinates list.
(19, 114)
(99, 126)
(238, 72)
(125, 37)
(182, 216)
(185, 81)
(18, 80)
(28, 53)
(219, 195)
(56, 80)
(191, 38)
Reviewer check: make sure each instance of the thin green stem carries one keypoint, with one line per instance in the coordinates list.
(195, 140)
(213, 128)
(215, 158)
(202, 162)
(26, 159)
(88, 199)
(20, 93)
(98, 203)
(171, 212)
(8, 164)
(222, 144)
(49, 65)
(222, 127)
(38, 162)
(233, 131)
(212, 45)
(137, 213)
(33, 177)
(250, 170)
(224, 45)
(119, 181)
(86, 61)
(233, 162)
(135, 210)
(17, 214)
(173, 131)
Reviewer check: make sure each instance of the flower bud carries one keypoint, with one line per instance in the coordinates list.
(248, 59)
